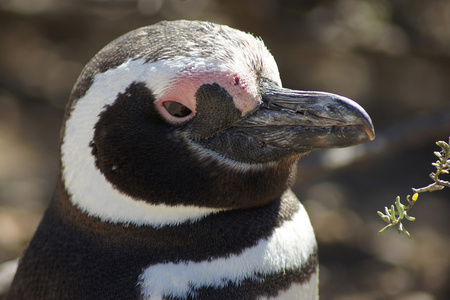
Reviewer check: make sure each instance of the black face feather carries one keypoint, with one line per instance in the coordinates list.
(150, 159)
(216, 112)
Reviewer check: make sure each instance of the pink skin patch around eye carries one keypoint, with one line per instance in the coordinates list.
(182, 89)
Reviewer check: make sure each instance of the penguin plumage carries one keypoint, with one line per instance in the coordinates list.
(178, 150)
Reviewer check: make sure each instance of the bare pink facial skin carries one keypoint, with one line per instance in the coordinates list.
(183, 86)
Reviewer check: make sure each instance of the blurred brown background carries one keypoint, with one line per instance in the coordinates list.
(393, 57)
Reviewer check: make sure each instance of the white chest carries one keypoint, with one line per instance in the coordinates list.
(289, 248)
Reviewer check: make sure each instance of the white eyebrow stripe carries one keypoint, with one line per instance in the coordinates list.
(88, 188)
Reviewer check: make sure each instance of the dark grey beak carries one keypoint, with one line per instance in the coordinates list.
(291, 123)
(303, 121)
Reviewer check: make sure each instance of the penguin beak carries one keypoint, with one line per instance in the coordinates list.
(302, 121)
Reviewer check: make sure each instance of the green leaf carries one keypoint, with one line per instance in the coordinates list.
(384, 217)
(400, 208)
(387, 211)
(438, 154)
(409, 218)
(405, 232)
(392, 216)
(385, 229)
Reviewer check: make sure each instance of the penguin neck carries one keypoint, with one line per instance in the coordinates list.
(212, 233)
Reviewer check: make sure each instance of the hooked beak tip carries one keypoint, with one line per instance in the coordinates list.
(370, 132)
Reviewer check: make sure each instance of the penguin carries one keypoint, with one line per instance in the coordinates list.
(178, 152)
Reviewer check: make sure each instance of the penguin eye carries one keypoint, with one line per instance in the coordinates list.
(176, 109)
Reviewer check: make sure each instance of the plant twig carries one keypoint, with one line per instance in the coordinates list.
(396, 214)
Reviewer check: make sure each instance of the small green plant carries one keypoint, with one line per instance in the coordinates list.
(398, 212)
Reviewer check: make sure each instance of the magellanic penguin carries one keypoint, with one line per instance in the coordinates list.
(178, 150)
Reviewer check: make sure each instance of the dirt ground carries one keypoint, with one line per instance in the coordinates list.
(393, 57)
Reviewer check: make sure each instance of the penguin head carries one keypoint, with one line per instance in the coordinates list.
(180, 119)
